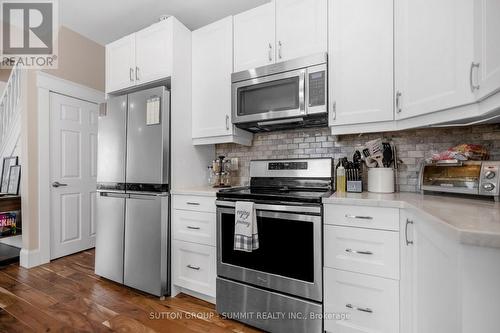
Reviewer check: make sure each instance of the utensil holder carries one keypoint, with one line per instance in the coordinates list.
(381, 180)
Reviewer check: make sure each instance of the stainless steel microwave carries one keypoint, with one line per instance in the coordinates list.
(288, 94)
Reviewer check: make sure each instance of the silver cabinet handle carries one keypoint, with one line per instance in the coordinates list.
(359, 252)
(350, 306)
(131, 74)
(408, 242)
(227, 122)
(137, 73)
(471, 81)
(279, 49)
(57, 184)
(270, 52)
(193, 228)
(334, 110)
(398, 102)
(358, 217)
(192, 203)
(196, 268)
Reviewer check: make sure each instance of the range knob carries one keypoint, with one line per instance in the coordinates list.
(489, 187)
(490, 174)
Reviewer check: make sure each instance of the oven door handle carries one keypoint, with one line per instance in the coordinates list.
(277, 208)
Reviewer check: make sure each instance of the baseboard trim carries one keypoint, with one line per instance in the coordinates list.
(30, 258)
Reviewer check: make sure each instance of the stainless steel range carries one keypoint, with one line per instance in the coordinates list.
(277, 287)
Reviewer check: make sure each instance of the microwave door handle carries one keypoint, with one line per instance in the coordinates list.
(302, 92)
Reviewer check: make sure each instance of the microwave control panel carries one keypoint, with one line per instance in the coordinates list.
(317, 88)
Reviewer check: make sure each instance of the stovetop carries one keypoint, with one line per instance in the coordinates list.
(284, 194)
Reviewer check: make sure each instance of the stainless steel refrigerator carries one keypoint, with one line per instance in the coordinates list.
(132, 236)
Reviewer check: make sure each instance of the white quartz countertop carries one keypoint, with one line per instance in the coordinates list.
(476, 222)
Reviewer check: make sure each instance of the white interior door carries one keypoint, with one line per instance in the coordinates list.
(73, 168)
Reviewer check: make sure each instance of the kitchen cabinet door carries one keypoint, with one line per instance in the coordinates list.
(434, 51)
(120, 64)
(154, 52)
(301, 28)
(254, 38)
(361, 61)
(430, 286)
(212, 67)
(487, 48)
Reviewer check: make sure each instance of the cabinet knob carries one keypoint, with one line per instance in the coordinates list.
(279, 49)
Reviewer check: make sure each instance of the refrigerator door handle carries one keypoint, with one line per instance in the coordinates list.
(114, 195)
(143, 197)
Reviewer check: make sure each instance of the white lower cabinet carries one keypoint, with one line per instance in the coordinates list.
(194, 257)
(362, 269)
(194, 267)
(368, 251)
(430, 278)
(370, 303)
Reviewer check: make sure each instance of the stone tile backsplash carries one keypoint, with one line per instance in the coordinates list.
(413, 147)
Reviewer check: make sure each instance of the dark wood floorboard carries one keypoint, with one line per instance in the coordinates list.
(66, 296)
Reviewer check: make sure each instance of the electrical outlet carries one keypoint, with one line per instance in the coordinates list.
(234, 163)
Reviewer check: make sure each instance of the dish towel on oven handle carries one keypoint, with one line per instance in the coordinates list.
(246, 236)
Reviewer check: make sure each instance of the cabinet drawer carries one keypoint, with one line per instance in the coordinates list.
(362, 216)
(196, 227)
(193, 202)
(368, 251)
(372, 303)
(193, 267)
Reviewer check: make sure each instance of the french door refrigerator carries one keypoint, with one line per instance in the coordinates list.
(132, 236)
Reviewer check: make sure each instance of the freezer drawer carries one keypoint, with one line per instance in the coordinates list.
(148, 137)
(146, 244)
(110, 235)
(111, 145)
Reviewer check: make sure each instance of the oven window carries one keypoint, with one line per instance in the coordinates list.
(286, 247)
(278, 95)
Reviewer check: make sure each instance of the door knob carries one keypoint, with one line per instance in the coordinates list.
(57, 184)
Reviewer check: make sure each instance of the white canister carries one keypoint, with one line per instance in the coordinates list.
(381, 180)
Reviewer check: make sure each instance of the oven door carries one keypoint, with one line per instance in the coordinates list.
(270, 97)
(289, 255)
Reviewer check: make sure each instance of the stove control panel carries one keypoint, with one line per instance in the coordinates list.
(287, 166)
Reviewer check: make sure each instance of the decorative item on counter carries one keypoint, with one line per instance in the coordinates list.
(221, 172)
(463, 152)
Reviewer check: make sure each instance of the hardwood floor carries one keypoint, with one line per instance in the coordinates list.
(66, 296)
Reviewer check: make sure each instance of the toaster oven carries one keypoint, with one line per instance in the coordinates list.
(462, 177)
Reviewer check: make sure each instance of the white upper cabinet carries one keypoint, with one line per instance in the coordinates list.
(212, 61)
(254, 40)
(360, 61)
(485, 73)
(120, 64)
(301, 28)
(154, 52)
(141, 57)
(434, 51)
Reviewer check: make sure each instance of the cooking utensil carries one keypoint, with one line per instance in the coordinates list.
(387, 154)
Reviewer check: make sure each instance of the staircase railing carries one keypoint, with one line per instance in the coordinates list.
(10, 113)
